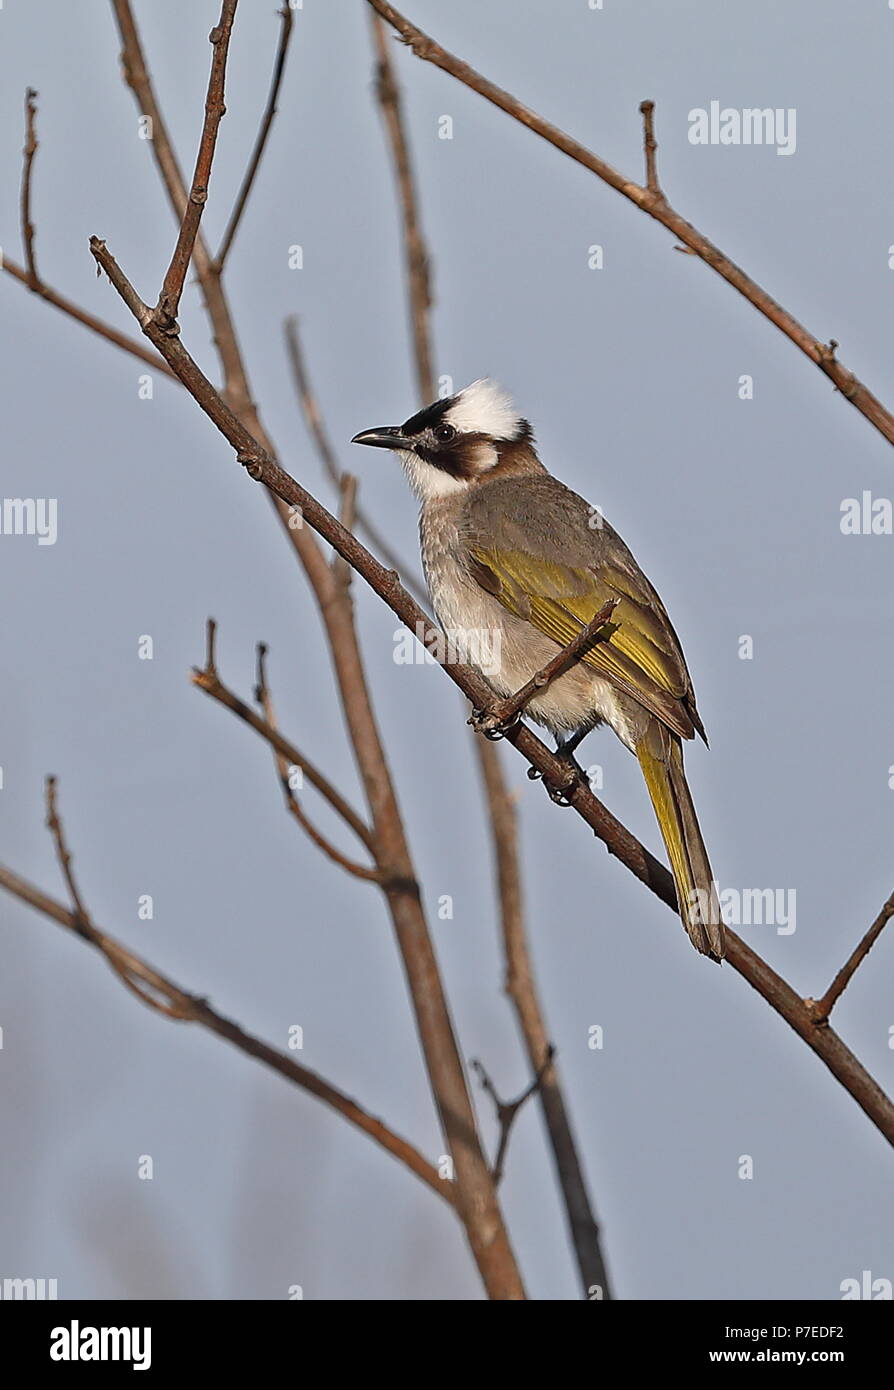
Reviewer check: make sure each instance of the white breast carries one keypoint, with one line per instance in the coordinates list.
(470, 615)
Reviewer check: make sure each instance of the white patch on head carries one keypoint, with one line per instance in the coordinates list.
(429, 482)
(484, 408)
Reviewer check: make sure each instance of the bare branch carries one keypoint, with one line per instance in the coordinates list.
(417, 262)
(521, 988)
(98, 326)
(192, 1008)
(507, 1111)
(314, 421)
(29, 275)
(207, 679)
(28, 153)
(242, 197)
(169, 299)
(131, 971)
(293, 806)
(655, 204)
(822, 1008)
(136, 75)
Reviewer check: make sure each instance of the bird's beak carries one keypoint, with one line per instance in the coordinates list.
(384, 437)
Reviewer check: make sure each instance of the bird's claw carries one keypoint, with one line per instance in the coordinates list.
(490, 724)
(560, 796)
(561, 792)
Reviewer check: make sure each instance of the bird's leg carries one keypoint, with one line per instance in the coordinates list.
(565, 746)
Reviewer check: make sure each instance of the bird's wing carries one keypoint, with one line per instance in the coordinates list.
(641, 657)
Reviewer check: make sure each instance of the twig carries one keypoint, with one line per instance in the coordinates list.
(656, 205)
(172, 288)
(505, 712)
(136, 74)
(192, 1008)
(293, 805)
(242, 197)
(54, 825)
(823, 1041)
(821, 1008)
(521, 988)
(507, 1111)
(98, 326)
(127, 967)
(29, 152)
(314, 421)
(650, 147)
(417, 261)
(207, 679)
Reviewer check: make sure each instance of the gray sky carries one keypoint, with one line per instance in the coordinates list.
(630, 375)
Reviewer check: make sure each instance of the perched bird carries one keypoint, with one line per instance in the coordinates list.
(510, 550)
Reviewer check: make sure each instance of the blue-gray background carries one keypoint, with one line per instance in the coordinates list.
(630, 375)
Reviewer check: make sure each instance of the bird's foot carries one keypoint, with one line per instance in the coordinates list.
(561, 791)
(490, 725)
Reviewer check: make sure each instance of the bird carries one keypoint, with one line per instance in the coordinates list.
(508, 549)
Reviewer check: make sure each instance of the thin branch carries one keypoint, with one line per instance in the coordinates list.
(417, 261)
(131, 971)
(293, 806)
(242, 197)
(28, 153)
(650, 147)
(30, 277)
(215, 107)
(260, 466)
(207, 679)
(313, 419)
(507, 1111)
(521, 988)
(136, 74)
(98, 326)
(506, 712)
(54, 825)
(192, 1008)
(657, 207)
(822, 1008)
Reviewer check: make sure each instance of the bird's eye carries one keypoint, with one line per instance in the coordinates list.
(444, 434)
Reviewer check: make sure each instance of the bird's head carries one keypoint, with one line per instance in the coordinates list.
(454, 442)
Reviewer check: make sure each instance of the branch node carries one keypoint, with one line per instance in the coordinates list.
(507, 1111)
(253, 466)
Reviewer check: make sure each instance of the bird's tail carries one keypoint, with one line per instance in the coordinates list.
(660, 755)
